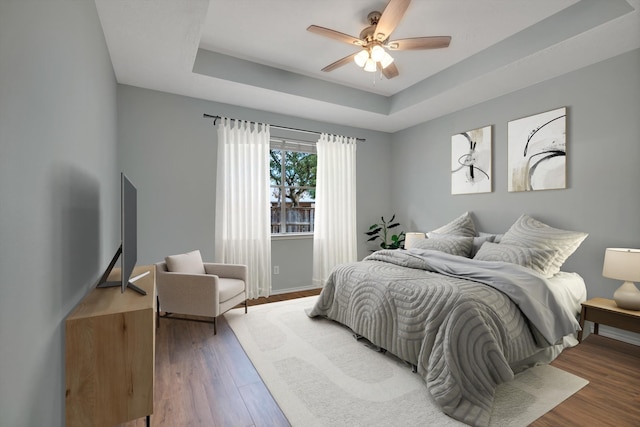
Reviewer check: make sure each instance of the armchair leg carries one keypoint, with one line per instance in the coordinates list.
(215, 325)
(246, 305)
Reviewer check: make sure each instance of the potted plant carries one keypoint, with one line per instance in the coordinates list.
(381, 231)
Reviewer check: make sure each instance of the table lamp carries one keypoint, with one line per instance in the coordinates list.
(410, 239)
(624, 264)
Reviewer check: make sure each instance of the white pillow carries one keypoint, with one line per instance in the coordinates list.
(190, 263)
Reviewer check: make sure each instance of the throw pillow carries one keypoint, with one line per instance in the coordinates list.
(478, 241)
(190, 263)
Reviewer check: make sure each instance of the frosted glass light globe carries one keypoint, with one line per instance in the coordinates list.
(361, 58)
(377, 53)
(370, 66)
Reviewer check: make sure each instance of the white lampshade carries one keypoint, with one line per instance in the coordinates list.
(361, 58)
(386, 60)
(377, 53)
(410, 239)
(624, 264)
(370, 65)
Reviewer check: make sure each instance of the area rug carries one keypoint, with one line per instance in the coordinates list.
(321, 376)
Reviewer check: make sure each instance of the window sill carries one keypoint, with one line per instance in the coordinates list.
(292, 236)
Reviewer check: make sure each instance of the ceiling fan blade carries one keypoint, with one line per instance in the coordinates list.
(390, 18)
(390, 71)
(339, 63)
(418, 43)
(336, 35)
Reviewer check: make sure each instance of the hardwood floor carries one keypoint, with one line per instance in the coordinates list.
(207, 380)
(612, 397)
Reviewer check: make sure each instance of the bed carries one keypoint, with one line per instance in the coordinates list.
(465, 311)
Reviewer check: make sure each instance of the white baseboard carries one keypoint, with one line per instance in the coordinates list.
(617, 334)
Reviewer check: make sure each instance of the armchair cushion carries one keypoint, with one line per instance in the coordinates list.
(229, 288)
(191, 262)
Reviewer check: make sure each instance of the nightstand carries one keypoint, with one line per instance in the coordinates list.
(605, 311)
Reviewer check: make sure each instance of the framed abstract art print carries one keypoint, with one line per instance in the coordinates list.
(537, 157)
(471, 161)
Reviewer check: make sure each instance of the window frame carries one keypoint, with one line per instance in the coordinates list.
(289, 145)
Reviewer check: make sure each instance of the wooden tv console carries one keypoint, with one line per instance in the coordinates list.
(110, 354)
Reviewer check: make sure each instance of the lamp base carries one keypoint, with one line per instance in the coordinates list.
(627, 296)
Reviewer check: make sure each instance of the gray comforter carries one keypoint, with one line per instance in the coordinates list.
(463, 323)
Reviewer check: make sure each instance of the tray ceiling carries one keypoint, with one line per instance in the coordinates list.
(258, 54)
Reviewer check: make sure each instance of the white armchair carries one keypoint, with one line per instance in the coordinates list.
(186, 285)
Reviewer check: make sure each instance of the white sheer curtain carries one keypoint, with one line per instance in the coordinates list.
(334, 236)
(243, 224)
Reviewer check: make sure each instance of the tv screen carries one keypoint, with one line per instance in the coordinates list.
(128, 250)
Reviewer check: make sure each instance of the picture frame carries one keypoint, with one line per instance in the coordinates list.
(537, 155)
(471, 161)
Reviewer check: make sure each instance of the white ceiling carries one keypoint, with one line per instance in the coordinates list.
(258, 54)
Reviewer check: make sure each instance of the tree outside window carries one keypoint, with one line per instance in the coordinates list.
(293, 188)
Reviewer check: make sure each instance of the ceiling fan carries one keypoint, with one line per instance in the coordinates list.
(374, 41)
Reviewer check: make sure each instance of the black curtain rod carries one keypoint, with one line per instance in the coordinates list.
(215, 118)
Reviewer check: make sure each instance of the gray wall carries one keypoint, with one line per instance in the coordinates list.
(169, 151)
(58, 192)
(603, 148)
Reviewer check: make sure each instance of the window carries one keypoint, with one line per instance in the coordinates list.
(293, 186)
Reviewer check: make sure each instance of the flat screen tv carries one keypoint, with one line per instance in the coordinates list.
(128, 250)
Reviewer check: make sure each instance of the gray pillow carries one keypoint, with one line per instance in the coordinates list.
(461, 226)
(530, 233)
(454, 245)
(540, 260)
(478, 241)
(496, 237)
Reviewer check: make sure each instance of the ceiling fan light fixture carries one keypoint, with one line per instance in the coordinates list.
(386, 60)
(361, 58)
(374, 41)
(370, 66)
(377, 53)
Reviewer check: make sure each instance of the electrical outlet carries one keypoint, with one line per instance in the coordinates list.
(276, 269)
